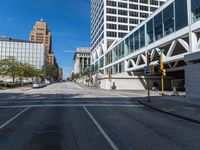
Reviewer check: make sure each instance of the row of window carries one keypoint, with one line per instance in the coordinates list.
(172, 18)
(124, 20)
(125, 12)
(124, 5)
(117, 68)
(114, 34)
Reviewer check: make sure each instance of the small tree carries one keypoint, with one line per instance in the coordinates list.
(50, 71)
(10, 67)
(30, 71)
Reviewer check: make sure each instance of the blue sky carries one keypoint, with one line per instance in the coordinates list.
(68, 20)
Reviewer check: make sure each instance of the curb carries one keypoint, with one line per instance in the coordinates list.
(171, 114)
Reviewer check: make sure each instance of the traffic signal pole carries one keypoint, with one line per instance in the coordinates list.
(148, 84)
(163, 73)
(162, 82)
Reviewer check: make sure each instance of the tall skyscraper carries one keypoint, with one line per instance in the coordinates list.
(42, 34)
(113, 19)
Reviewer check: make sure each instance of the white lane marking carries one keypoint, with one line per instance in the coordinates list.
(101, 130)
(73, 105)
(13, 118)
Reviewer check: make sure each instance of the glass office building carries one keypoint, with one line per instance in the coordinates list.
(24, 51)
(111, 20)
(169, 19)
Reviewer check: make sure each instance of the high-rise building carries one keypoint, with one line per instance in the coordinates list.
(113, 19)
(42, 34)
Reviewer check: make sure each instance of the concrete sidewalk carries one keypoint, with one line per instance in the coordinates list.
(182, 108)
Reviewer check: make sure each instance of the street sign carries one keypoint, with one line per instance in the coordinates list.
(147, 70)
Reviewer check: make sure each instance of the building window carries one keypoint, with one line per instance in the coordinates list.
(111, 26)
(111, 18)
(154, 2)
(195, 10)
(137, 40)
(111, 11)
(181, 14)
(121, 35)
(142, 37)
(111, 34)
(133, 21)
(133, 6)
(123, 27)
(144, 8)
(133, 13)
(158, 26)
(168, 19)
(123, 20)
(122, 12)
(144, 15)
(150, 31)
(122, 5)
(111, 3)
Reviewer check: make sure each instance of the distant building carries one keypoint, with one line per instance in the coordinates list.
(81, 59)
(26, 52)
(60, 74)
(52, 59)
(42, 34)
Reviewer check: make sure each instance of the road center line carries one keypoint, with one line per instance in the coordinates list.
(101, 130)
(13, 118)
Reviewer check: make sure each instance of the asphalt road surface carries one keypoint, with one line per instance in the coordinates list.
(64, 116)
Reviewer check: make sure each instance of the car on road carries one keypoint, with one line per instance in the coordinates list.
(39, 85)
(36, 85)
(2, 82)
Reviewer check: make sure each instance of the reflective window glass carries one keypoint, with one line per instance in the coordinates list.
(137, 41)
(168, 19)
(131, 44)
(150, 37)
(195, 10)
(181, 14)
(142, 37)
(158, 26)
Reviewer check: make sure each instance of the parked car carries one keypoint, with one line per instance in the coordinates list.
(36, 85)
(2, 83)
(47, 82)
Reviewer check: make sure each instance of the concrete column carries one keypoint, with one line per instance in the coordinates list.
(82, 64)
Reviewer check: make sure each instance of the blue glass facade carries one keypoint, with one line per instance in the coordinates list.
(181, 14)
(172, 18)
(195, 4)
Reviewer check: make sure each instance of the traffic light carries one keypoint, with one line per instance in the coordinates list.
(160, 62)
(163, 72)
(162, 69)
(148, 58)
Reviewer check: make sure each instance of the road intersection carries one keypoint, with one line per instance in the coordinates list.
(67, 116)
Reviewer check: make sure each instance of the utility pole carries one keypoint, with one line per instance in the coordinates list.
(148, 84)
